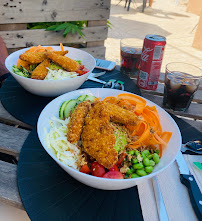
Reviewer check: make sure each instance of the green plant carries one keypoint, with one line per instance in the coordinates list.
(67, 27)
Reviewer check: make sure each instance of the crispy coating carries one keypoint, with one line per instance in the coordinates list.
(76, 123)
(61, 52)
(41, 70)
(98, 135)
(65, 62)
(120, 115)
(36, 57)
(33, 57)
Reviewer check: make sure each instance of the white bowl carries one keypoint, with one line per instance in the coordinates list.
(167, 123)
(56, 87)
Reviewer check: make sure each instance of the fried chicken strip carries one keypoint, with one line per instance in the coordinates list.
(41, 70)
(98, 135)
(33, 57)
(120, 115)
(65, 62)
(76, 123)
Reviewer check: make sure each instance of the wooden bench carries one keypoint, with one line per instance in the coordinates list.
(14, 17)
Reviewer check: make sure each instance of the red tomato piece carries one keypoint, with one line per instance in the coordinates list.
(114, 168)
(113, 175)
(79, 72)
(97, 169)
(121, 159)
(82, 67)
(85, 169)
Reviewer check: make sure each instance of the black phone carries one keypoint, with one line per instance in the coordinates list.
(104, 64)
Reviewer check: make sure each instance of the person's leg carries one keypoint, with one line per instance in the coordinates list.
(150, 3)
(3, 56)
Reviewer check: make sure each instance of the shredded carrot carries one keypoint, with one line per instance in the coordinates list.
(148, 131)
(110, 99)
(61, 46)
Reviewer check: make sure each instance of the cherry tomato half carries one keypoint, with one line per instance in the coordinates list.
(85, 169)
(114, 168)
(97, 169)
(113, 175)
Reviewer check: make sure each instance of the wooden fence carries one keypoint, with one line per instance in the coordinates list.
(15, 14)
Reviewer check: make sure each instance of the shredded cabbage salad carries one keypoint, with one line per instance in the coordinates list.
(59, 74)
(56, 139)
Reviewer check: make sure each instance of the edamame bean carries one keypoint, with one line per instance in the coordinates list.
(134, 175)
(138, 166)
(137, 152)
(128, 172)
(146, 162)
(149, 169)
(150, 157)
(152, 163)
(143, 155)
(146, 152)
(141, 172)
(131, 152)
(156, 158)
(157, 151)
(134, 161)
(132, 170)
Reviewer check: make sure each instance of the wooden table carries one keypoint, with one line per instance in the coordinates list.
(13, 133)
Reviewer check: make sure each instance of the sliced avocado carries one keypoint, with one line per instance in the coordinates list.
(121, 139)
(54, 66)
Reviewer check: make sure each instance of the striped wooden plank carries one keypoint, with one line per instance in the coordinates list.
(8, 185)
(51, 11)
(194, 111)
(97, 52)
(27, 38)
(12, 139)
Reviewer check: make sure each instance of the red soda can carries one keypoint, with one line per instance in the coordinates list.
(150, 63)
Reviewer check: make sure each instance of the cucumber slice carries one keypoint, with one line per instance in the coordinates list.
(89, 98)
(81, 98)
(61, 111)
(70, 106)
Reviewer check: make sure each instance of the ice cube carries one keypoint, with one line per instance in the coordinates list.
(191, 88)
(175, 84)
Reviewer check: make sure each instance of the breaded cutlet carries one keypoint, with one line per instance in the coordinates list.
(98, 135)
(121, 115)
(76, 122)
(65, 62)
(41, 70)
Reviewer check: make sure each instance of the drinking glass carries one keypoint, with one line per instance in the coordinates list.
(181, 82)
(131, 49)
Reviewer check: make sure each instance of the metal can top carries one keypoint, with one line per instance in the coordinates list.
(155, 37)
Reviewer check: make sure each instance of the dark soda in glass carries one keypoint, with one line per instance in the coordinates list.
(179, 90)
(130, 61)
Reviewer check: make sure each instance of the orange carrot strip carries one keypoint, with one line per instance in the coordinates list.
(135, 146)
(144, 132)
(110, 99)
(61, 46)
(134, 100)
